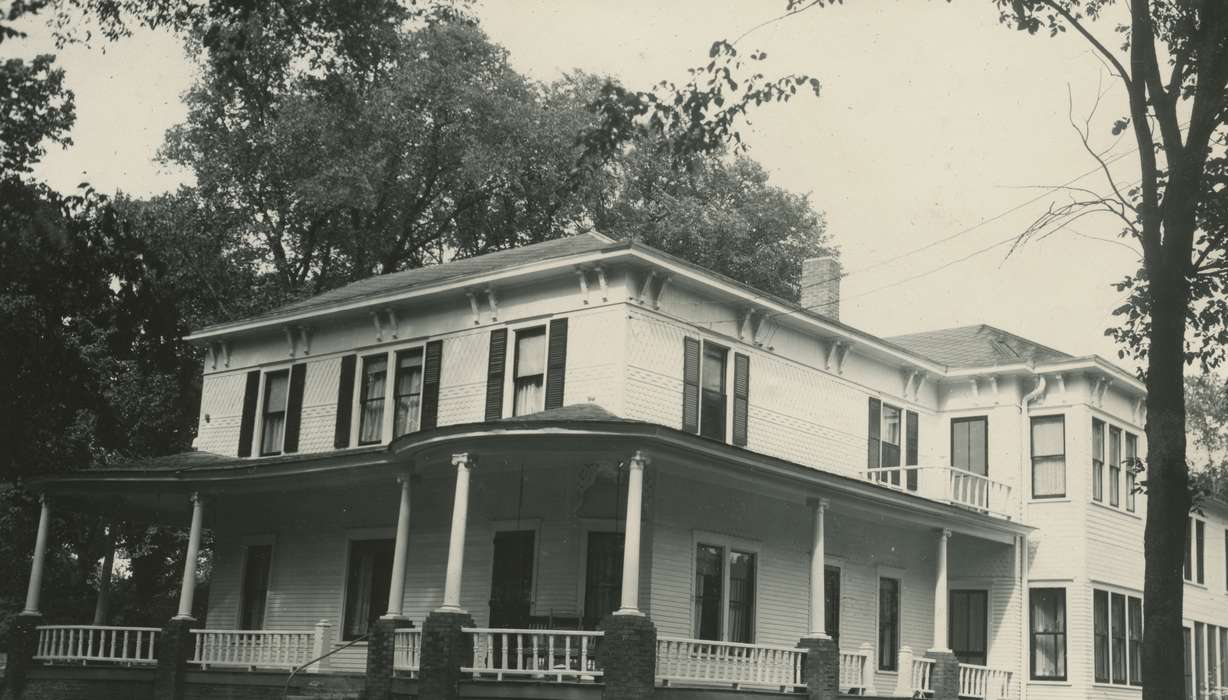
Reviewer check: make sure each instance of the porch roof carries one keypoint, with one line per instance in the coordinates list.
(575, 427)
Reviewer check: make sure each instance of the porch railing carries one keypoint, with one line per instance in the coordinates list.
(948, 484)
(253, 649)
(856, 671)
(407, 650)
(530, 653)
(728, 663)
(983, 683)
(85, 643)
(921, 672)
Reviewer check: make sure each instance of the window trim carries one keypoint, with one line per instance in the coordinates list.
(1032, 675)
(1032, 458)
(727, 543)
(984, 418)
(247, 542)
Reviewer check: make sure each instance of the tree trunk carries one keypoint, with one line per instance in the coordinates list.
(1168, 500)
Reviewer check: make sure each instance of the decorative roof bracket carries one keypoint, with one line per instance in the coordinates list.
(493, 302)
(582, 276)
(473, 306)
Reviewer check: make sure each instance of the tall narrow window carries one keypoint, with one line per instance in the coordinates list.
(1097, 459)
(888, 623)
(1189, 675)
(1100, 635)
(1187, 566)
(968, 624)
(1195, 561)
(368, 578)
(709, 580)
(892, 438)
(530, 372)
(371, 399)
(1117, 634)
(1048, 457)
(712, 393)
(741, 597)
(1135, 629)
(273, 428)
(1200, 656)
(970, 444)
(1048, 630)
(407, 396)
(1114, 466)
(831, 601)
(1130, 464)
(256, 564)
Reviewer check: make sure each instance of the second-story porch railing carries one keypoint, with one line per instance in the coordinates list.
(534, 653)
(252, 649)
(950, 485)
(91, 643)
(728, 663)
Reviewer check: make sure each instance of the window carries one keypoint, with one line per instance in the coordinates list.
(529, 383)
(256, 564)
(273, 427)
(724, 599)
(368, 578)
(1195, 539)
(970, 444)
(407, 399)
(1097, 459)
(1115, 467)
(1189, 676)
(1048, 457)
(1100, 634)
(371, 399)
(1200, 663)
(712, 393)
(1135, 630)
(1048, 630)
(1131, 464)
(969, 625)
(888, 623)
(886, 440)
(1118, 637)
(891, 437)
(1117, 634)
(831, 602)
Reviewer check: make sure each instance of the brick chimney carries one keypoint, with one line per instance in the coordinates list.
(821, 286)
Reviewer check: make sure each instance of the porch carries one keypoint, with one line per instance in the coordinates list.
(539, 540)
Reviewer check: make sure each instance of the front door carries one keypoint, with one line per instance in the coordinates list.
(603, 577)
(969, 627)
(511, 581)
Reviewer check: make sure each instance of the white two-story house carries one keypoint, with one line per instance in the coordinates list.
(492, 434)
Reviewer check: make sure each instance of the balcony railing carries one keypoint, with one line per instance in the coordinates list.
(540, 654)
(253, 649)
(856, 671)
(983, 683)
(407, 650)
(949, 485)
(705, 662)
(88, 643)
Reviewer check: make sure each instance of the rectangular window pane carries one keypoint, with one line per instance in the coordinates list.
(888, 623)
(712, 393)
(968, 625)
(1199, 540)
(371, 415)
(1131, 463)
(1189, 677)
(968, 444)
(368, 577)
(1048, 630)
(1136, 641)
(741, 597)
(1187, 567)
(1100, 627)
(272, 433)
(1048, 457)
(408, 388)
(831, 602)
(1200, 649)
(529, 380)
(1118, 634)
(1097, 460)
(709, 577)
(255, 586)
(1114, 466)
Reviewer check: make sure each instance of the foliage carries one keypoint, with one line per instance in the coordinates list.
(1206, 403)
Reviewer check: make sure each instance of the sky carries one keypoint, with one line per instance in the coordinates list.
(938, 134)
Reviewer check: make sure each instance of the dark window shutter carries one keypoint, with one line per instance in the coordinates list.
(741, 397)
(432, 360)
(690, 385)
(294, 407)
(345, 401)
(912, 435)
(247, 427)
(494, 374)
(873, 452)
(556, 363)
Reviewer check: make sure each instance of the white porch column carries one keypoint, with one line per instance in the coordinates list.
(187, 591)
(40, 558)
(818, 579)
(396, 590)
(631, 537)
(456, 546)
(941, 595)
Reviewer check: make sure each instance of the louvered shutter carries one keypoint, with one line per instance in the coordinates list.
(495, 369)
(556, 363)
(294, 407)
(741, 397)
(247, 426)
(432, 362)
(874, 453)
(690, 385)
(912, 435)
(345, 401)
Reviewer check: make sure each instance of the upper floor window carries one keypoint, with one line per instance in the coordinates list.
(970, 444)
(1130, 463)
(1195, 540)
(273, 425)
(1048, 633)
(1114, 466)
(529, 375)
(891, 436)
(1048, 456)
(712, 392)
(371, 399)
(407, 397)
(1097, 459)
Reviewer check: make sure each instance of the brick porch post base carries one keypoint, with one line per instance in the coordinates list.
(945, 678)
(628, 656)
(22, 645)
(174, 650)
(822, 668)
(381, 651)
(445, 649)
